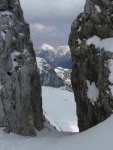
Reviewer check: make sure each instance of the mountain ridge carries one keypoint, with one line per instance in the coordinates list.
(56, 57)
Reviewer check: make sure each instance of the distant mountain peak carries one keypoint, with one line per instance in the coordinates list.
(46, 47)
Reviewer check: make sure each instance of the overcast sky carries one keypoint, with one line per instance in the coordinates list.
(50, 20)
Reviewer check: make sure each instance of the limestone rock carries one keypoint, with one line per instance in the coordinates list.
(20, 91)
(91, 44)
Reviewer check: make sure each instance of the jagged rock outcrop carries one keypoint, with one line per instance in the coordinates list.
(20, 91)
(48, 76)
(91, 44)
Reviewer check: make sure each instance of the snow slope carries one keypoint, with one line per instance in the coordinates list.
(60, 108)
(99, 137)
(96, 138)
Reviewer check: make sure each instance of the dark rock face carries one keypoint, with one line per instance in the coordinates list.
(20, 91)
(91, 47)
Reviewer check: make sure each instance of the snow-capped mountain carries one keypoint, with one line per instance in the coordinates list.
(56, 57)
(48, 76)
(46, 47)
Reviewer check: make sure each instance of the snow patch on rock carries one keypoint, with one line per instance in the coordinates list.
(13, 55)
(110, 65)
(6, 13)
(107, 43)
(3, 34)
(98, 8)
(93, 92)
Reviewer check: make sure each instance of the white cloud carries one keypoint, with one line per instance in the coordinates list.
(51, 19)
(41, 33)
(39, 30)
(52, 10)
(38, 26)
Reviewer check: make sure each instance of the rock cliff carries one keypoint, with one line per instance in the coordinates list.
(20, 91)
(91, 44)
(48, 76)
